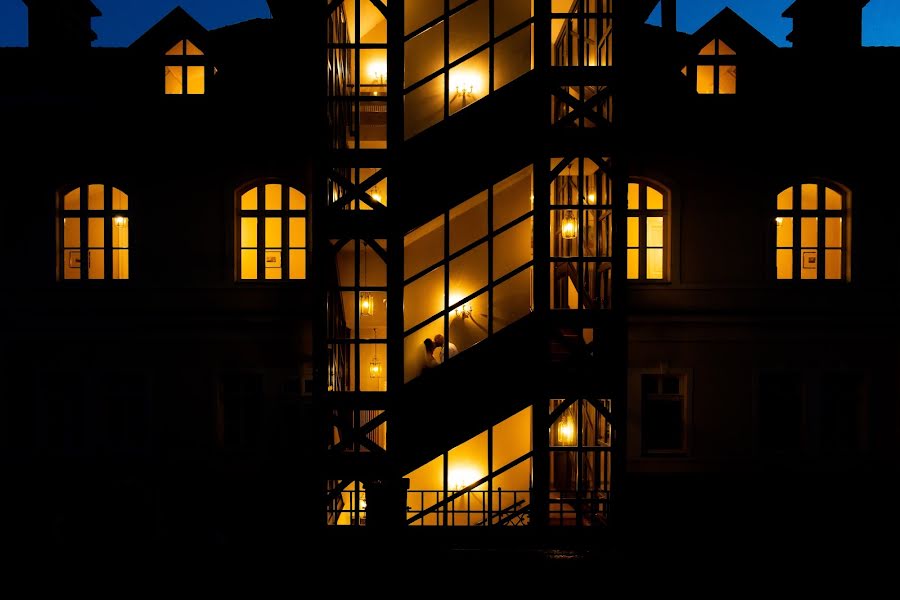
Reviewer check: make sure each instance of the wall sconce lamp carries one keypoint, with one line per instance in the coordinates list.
(569, 226)
(465, 86)
(464, 311)
(376, 195)
(120, 221)
(779, 221)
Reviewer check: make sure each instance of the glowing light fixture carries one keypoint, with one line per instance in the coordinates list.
(779, 221)
(366, 304)
(569, 227)
(376, 368)
(464, 311)
(461, 478)
(565, 431)
(592, 198)
(376, 195)
(466, 86)
(120, 221)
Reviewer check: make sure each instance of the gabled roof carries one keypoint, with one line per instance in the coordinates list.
(735, 31)
(175, 26)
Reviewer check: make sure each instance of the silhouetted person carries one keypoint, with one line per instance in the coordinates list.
(449, 353)
(430, 361)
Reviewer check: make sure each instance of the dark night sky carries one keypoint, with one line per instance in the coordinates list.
(123, 21)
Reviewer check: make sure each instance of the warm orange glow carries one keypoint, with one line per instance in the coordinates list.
(461, 478)
(569, 228)
(565, 431)
(375, 368)
(366, 304)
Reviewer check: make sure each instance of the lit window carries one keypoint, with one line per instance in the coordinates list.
(185, 69)
(648, 232)
(272, 233)
(664, 414)
(93, 233)
(811, 233)
(716, 69)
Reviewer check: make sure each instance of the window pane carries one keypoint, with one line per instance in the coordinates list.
(248, 264)
(423, 298)
(420, 12)
(248, 232)
(512, 198)
(784, 232)
(424, 247)
(727, 79)
(273, 196)
(96, 268)
(833, 233)
(298, 233)
(196, 80)
(509, 13)
(468, 273)
(725, 49)
(173, 80)
(72, 264)
(634, 257)
(273, 264)
(72, 200)
(634, 224)
(120, 232)
(662, 424)
(833, 200)
(120, 264)
(468, 222)
(512, 57)
(249, 200)
(833, 264)
(298, 264)
(809, 264)
(192, 50)
(297, 200)
(176, 50)
(424, 54)
(654, 199)
(95, 233)
(705, 79)
(654, 263)
(119, 199)
(785, 264)
(654, 232)
(424, 107)
(809, 196)
(512, 300)
(469, 81)
(469, 29)
(709, 49)
(809, 232)
(512, 249)
(95, 197)
(72, 232)
(786, 199)
(634, 197)
(273, 232)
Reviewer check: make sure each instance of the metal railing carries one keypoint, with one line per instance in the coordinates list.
(478, 508)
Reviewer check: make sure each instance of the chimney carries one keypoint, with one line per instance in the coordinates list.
(826, 25)
(61, 25)
(669, 15)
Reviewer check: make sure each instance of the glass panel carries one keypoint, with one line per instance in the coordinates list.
(423, 247)
(273, 264)
(72, 264)
(467, 463)
(428, 478)
(423, 298)
(634, 235)
(174, 76)
(248, 264)
(654, 199)
(424, 107)
(809, 196)
(833, 233)
(725, 49)
(346, 265)
(809, 232)
(95, 197)
(249, 232)
(192, 50)
(96, 233)
(419, 12)
(372, 367)
(512, 57)
(373, 72)
(176, 50)
(512, 300)
(564, 233)
(298, 264)
(119, 199)
(424, 54)
(634, 196)
(297, 233)
(512, 439)
(468, 222)
(468, 273)
(469, 29)
(809, 264)
(96, 266)
(120, 232)
(833, 264)
(372, 24)
(705, 79)
(468, 324)
(654, 232)
(634, 258)
(120, 264)
(273, 232)
(654, 263)
(415, 356)
(249, 200)
(564, 189)
(72, 232)
(833, 200)
(373, 269)
(373, 326)
(196, 80)
(784, 232)
(469, 81)
(512, 198)
(297, 200)
(348, 301)
(786, 199)
(709, 49)
(785, 264)
(72, 200)
(727, 79)
(512, 248)
(509, 13)
(378, 193)
(273, 196)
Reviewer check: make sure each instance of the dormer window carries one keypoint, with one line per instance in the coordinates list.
(185, 69)
(716, 69)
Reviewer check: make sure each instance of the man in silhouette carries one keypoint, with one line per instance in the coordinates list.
(439, 346)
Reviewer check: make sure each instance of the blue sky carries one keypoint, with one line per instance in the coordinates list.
(123, 21)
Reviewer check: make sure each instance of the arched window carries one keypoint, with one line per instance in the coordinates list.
(716, 69)
(648, 231)
(271, 233)
(185, 69)
(93, 231)
(811, 232)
